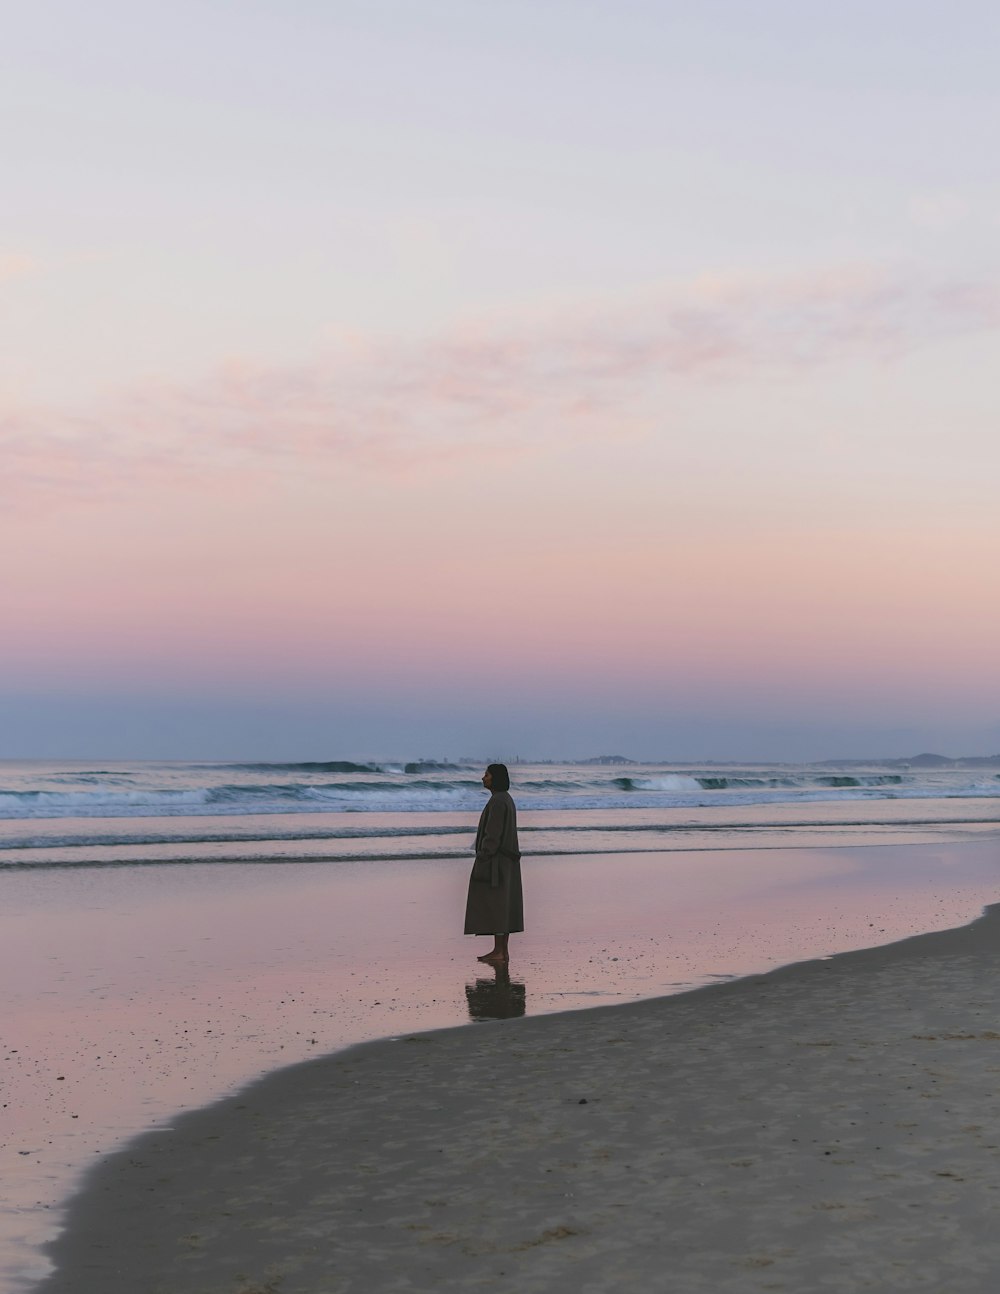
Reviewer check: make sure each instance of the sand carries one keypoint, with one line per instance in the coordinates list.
(833, 1125)
(134, 994)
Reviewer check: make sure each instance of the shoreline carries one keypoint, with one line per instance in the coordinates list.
(828, 1124)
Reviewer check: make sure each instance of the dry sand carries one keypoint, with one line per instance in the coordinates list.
(830, 1126)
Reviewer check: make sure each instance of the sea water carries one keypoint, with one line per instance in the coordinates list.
(70, 814)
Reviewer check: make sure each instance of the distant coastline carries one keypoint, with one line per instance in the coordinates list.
(920, 761)
(926, 759)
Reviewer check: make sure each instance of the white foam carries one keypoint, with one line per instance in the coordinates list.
(668, 782)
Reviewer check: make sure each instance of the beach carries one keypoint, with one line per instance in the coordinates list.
(831, 1125)
(156, 965)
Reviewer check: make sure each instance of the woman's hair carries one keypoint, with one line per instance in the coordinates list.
(501, 778)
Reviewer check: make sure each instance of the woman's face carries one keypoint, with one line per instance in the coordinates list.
(488, 780)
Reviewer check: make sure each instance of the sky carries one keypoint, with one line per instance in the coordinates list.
(549, 378)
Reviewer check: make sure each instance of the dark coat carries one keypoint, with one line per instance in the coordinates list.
(495, 905)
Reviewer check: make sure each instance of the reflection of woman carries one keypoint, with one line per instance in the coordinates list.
(500, 998)
(495, 905)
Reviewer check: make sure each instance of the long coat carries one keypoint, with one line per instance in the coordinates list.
(496, 905)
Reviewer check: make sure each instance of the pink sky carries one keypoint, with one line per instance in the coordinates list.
(633, 446)
(742, 533)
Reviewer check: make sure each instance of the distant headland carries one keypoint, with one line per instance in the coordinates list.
(925, 760)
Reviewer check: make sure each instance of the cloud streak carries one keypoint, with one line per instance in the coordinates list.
(16, 265)
(399, 408)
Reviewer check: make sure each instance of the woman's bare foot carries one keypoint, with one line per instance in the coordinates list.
(497, 955)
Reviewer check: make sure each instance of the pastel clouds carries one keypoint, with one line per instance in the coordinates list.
(15, 265)
(395, 408)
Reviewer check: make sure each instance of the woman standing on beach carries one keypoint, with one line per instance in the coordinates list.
(495, 905)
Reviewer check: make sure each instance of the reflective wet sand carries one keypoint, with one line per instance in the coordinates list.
(135, 993)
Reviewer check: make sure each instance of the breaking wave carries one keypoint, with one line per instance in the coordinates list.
(427, 786)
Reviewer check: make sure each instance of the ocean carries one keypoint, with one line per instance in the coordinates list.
(66, 814)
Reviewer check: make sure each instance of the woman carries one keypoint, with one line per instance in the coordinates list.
(495, 905)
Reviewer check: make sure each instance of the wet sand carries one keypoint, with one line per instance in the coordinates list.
(828, 1126)
(133, 994)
